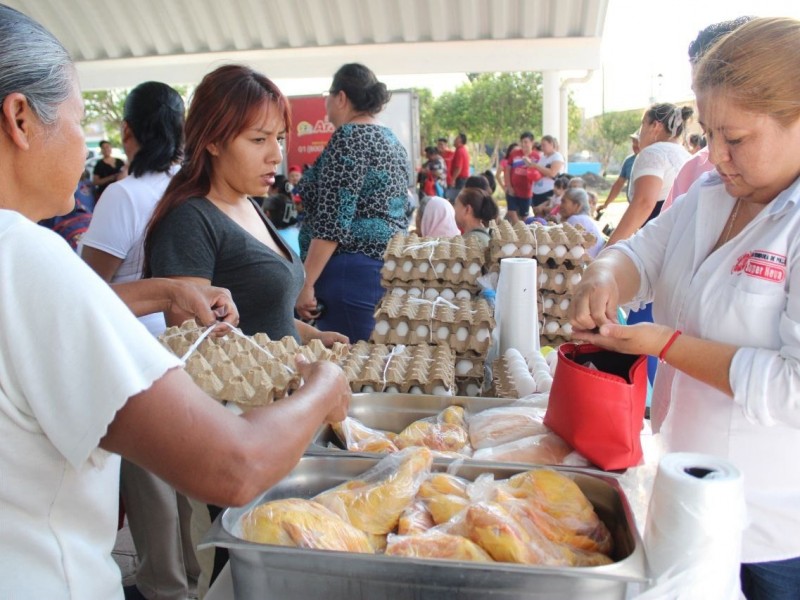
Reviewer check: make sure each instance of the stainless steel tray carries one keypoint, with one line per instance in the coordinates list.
(266, 572)
(394, 412)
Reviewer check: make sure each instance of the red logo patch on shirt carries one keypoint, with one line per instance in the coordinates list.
(762, 264)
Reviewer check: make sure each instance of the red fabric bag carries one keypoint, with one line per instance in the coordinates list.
(599, 411)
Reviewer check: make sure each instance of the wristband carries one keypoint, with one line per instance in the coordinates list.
(668, 345)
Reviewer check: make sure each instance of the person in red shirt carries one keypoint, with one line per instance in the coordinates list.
(458, 171)
(447, 154)
(520, 175)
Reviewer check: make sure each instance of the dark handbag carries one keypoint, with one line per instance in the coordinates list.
(599, 411)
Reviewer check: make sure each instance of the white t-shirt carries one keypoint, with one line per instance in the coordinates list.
(545, 184)
(662, 159)
(746, 293)
(118, 227)
(71, 354)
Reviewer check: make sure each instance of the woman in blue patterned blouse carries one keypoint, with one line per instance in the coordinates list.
(355, 197)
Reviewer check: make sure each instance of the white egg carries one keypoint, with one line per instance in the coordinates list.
(398, 292)
(462, 333)
(367, 389)
(474, 269)
(525, 387)
(431, 293)
(564, 304)
(448, 294)
(422, 331)
(511, 353)
(423, 267)
(560, 251)
(456, 268)
(551, 327)
(414, 292)
(407, 266)
(415, 389)
(463, 295)
(526, 250)
(440, 390)
(382, 327)
(473, 389)
(390, 265)
(558, 279)
(463, 367)
(508, 249)
(545, 385)
(577, 252)
(547, 304)
(575, 278)
(567, 328)
(543, 250)
(402, 329)
(440, 267)
(482, 335)
(443, 333)
(391, 389)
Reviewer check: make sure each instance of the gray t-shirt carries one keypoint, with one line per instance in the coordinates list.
(199, 240)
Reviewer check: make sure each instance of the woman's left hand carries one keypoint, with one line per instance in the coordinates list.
(306, 304)
(642, 338)
(329, 338)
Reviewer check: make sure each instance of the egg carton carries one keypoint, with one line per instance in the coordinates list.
(456, 260)
(470, 386)
(431, 290)
(464, 325)
(553, 305)
(418, 369)
(247, 370)
(555, 329)
(561, 280)
(517, 376)
(551, 245)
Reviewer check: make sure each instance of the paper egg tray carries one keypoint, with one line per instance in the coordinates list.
(249, 371)
(455, 260)
(417, 369)
(552, 246)
(431, 290)
(464, 325)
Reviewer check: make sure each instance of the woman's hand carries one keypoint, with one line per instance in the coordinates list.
(205, 303)
(306, 304)
(327, 379)
(595, 300)
(642, 338)
(329, 338)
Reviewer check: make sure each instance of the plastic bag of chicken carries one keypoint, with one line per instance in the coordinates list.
(302, 524)
(374, 501)
(357, 437)
(445, 433)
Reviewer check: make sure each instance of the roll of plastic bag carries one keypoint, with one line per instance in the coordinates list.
(516, 316)
(693, 534)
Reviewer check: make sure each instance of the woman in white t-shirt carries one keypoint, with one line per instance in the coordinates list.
(660, 157)
(82, 382)
(550, 165)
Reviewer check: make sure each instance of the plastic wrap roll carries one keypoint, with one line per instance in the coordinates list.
(693, 535)
(516, 317)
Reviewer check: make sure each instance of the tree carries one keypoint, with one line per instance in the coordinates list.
(427, 126)
(494, 108)
(608, 133)
(106, 106)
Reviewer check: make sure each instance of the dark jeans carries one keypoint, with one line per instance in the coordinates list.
(522, 206)
(350, 288)
(779, 580)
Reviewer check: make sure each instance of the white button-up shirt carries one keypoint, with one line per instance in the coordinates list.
(746, 293)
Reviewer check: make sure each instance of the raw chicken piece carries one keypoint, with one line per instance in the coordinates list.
(302, 524)
(436, 544)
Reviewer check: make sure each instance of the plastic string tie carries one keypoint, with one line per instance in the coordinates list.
(396, 351)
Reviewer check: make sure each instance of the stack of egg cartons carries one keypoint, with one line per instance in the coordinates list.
(432, 298)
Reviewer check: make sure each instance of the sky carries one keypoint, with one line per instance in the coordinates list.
(644, 53)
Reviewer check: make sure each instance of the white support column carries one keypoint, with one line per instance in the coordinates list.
(551, 109)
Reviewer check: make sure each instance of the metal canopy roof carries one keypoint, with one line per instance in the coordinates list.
(120, 43)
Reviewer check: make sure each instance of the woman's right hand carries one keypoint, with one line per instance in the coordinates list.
(595, 299)
(306, 304)
(328, 380)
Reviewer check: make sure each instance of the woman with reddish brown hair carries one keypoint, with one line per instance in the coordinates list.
(208, 228)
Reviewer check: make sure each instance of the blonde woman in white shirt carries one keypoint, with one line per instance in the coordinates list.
(723, 266)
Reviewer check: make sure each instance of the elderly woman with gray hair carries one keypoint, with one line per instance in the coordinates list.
(65, 422)
(576, 210)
